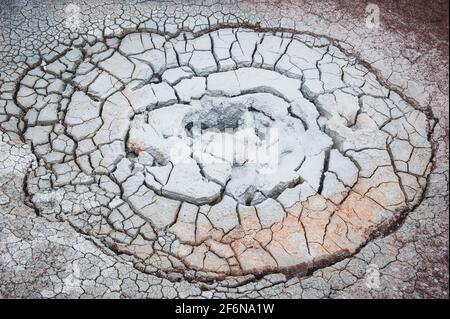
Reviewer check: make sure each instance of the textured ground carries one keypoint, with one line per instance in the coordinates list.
(94, 96)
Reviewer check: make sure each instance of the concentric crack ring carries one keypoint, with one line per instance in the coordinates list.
(107, 119)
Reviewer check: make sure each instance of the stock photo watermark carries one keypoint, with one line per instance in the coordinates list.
(73, 279)
(372, 277)
(242, 146)
(72, 17)
(373, 17)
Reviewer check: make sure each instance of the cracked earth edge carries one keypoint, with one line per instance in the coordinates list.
(392, 255)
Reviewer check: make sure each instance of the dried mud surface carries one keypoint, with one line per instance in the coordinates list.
(92, 204)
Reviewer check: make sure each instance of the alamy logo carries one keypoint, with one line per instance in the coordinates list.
(72, 18)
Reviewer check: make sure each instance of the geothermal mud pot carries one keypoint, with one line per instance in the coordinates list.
(227, 152)
(224, 149)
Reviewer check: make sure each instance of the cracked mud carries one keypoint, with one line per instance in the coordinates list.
(105, 119)
(129, 136)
